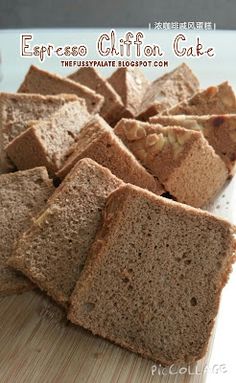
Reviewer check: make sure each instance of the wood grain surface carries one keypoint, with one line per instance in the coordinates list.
(38, 345)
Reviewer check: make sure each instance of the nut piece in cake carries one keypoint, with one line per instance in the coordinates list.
(130, 84)
(168, 91)
(113, 107)
(182, 159)
(98, 141)
(42, 82)
(154, 276)
(219, 130)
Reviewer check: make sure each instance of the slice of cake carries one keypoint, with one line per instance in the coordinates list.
(154, 276)
(182, 159)
(16, 110)
(213, 100)
(47, 142)
(219, 130)
(22, 195)
(130, 84)
(168, 91)
(52, 252)
(98, 141)
(42, 82)
(113, 108)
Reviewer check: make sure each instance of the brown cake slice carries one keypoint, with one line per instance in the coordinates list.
(168, 91)
(16, 110)
(130, 84)
(213, 100)
(47, 142)
(42, 82)
(219, 130)
(22, 196)
(98, 141)
(182, 159)
(52, 252)
(154, 276)
(113, 108)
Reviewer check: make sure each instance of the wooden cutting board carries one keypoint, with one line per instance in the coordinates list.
(38, 345)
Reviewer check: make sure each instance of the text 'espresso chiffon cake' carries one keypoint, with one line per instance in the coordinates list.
(154, 276)
(52, 252)
(16, 110)
(43, 82)
(22, 196)
(219, 130)
(182, 159)
(98, 141)
(47, 142)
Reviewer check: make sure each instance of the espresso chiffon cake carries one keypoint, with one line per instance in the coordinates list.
(43, 82)
(154, 276)
(130, 84)
(213, 100)
(52, 252)
(16, 110)
(182, 159)
(219, 130)
(46, 142)
(168, 90)
(113, 108)
(22, 196)
(98, 141)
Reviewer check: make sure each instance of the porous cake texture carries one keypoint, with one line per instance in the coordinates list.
(167, 91)
(47, 142)
(43, 82)
(218, 99)
(22, 196)
(113, 107)
(53, 251)
(131, 85)
(182, 159)
(98, 141)
(16, 110)
(154, 275)
(219, 130)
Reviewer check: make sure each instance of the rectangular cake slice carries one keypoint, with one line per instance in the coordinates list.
(52, 252)
(219, 130)
(46, 142)
(182, 159)
(98, 141)
(22, 196)
(16, 110)
(43, 82)
(153, 279)
(213, 100)
(113, 108)
(168, 91)
(130, 84)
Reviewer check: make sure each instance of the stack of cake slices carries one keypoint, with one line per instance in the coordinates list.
(103, 190)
